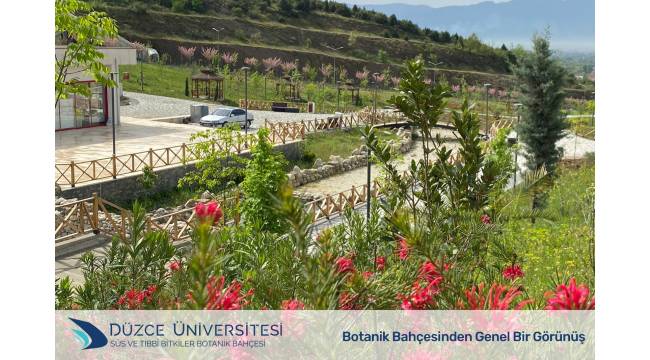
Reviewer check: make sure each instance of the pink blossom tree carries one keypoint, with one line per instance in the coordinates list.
(187, 53)
(270, 64)
(251, 62)
(288, 66)
(395, 80)
(209, 54)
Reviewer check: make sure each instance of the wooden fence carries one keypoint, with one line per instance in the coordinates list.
(98, 215)
(266, 105)
(73, 173)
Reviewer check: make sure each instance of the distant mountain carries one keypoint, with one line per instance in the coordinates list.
(571, 22)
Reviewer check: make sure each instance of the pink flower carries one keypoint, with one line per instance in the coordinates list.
(380, 262)
(485, 219)
(572, 297)
(229, 298)
(499, 297)
(208, 213)
(404, 248)
(344, 265)
(512, 272)
(292, 304)
(175, 266)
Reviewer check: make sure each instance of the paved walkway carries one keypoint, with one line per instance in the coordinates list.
(138, 132)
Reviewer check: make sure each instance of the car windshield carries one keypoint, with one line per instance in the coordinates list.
(221, 112)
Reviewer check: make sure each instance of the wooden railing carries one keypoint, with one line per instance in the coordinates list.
(73, 173)
(266, 105)
(100, 216)
(92, 214)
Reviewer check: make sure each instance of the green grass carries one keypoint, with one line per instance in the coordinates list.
(165, 199)
(339, 142)
(558, 245)
(169, 80)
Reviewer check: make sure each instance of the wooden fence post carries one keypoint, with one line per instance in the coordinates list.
(72, 173)
(183, 153)
(151, 158)
(95, 221)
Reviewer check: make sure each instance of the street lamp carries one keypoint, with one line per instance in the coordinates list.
(246, 68)
(487, 106)
(338, 95)
(334, 49)
(433, 65)
(374, 105)
(517, 107)
(218, 32)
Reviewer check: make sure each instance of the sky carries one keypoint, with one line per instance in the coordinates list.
(432, 3)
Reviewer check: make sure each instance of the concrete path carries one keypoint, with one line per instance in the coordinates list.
(139, 132)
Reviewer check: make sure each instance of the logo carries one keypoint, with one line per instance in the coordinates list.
(89, 335)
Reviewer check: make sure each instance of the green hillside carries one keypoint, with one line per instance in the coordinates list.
(264, 30)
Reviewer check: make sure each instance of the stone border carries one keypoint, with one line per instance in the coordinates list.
(336, 165)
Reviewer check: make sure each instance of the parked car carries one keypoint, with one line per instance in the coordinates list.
(223, 116)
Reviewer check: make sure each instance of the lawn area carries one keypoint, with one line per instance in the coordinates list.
(339, 142)
(559, 245)
(169, 80)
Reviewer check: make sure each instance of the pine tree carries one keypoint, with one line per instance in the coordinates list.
(541, 80)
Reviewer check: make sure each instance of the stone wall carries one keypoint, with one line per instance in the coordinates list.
(126, 188)
(336, 165)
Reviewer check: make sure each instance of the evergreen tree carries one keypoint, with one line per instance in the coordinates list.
(541, 80)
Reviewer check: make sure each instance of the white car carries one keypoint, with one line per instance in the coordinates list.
(224, 115)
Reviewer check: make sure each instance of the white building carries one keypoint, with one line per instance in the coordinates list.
(79, 111)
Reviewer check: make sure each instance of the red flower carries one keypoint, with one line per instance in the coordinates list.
(175, 266)
(229, 298)
(485, 219)
(208, 213)
(292, 304)
(572, 297)
(513, 272)
(499, 297)
(428, 272)
(367, 275)
(133, 299)
(380, 262)
(344, 265)
(404, 248)
(421, 297)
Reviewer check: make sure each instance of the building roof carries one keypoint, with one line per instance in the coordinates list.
(207, 74)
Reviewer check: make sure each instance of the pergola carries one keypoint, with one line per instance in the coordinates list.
(203, 87)
(289, 89)
(353, 89)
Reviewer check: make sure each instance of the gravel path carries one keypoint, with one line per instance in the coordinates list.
(145, 106)
(356, 177)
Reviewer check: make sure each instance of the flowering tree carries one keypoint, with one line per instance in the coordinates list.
(251, 62)
(395, 80)
(270, 64)
(288, 66)
(209, 54)
(187, 53)
(326, 71)
(362, 76)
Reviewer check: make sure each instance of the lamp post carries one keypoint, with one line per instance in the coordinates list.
(335, 49)
(433, 65)
(113, 77)
(517, 107)
(218, 32)
(246, 68)
(374, 104)
(338, 95)
(487, 106)
(593, 110)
